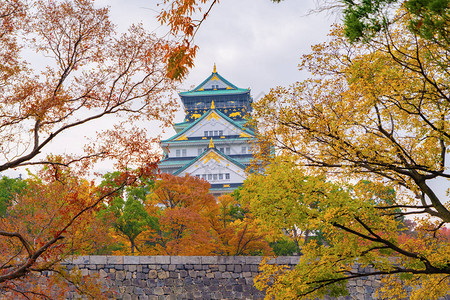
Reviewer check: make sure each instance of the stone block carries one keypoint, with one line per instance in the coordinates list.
(102, 273)
(237, 268)
(158, 291)
(213, 268)
(171, 268)
(183, 273)
(132, 268)
(120, 275)
(222, 268)
(192, 273)
(254, 268)
(114, 260)
(79, 260)
(198, 267)
(163, 275)
(147, 260)
(283, 260)
(224, 260)
(209, 260)
(131, 260)
(162, 260)
(238, 259)
(152, 274)
(253, 260)
(138, 291)
(84, 272)
(293, 260)
(126, 297)
(247, 274)
(128, 275)
(97, 259)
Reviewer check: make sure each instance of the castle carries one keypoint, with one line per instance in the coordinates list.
(212, 142)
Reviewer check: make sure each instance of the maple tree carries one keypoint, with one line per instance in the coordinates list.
(375, 110)
(181, 206)
(237, 231)
(50, 220)
(190, 221)
(90, 73)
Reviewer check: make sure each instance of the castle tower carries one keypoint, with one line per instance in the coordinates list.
(212, 143)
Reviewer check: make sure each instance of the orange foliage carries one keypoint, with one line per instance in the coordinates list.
(49, 222)
(191, 222)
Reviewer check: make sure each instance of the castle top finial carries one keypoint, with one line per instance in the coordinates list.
(211, 143)
(213, 106)
(214, 69)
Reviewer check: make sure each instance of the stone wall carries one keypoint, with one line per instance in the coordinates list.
(190, 277)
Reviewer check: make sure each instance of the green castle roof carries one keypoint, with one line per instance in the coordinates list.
(200, 91)
(234, 123)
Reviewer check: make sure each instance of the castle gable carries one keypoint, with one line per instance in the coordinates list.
(212, 124)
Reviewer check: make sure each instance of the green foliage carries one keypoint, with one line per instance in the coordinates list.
(284, 247)
(430, 19)
(126, 210)
(9, 189)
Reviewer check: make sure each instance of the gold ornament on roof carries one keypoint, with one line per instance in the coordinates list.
(211, 143)
(214, 69)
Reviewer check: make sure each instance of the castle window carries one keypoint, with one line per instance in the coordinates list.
(209, 176)
(211, 133)
(227, 175)
(221, 150)
(243, 150)
(184, 152)
(220, 176)
(216, 133)
(204, 176)
(220, 132)
(227, 150)
(205, 133)
(214, 176)
(178, 153)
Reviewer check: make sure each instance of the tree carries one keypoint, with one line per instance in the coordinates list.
(125, 211)
(182, 206)
(376, 111)
(49, 221)
(237, 231)
(10, 188)
(353, 230)
(365, 19)
(93, 73)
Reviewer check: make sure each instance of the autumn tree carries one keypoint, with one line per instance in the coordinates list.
(375, 110)
(91, 73)
(236, 231)
(182, 206)
(49, 221)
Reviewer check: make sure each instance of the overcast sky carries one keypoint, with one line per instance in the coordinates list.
(255, 44)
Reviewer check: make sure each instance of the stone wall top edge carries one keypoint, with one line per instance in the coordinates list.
(166, 260)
